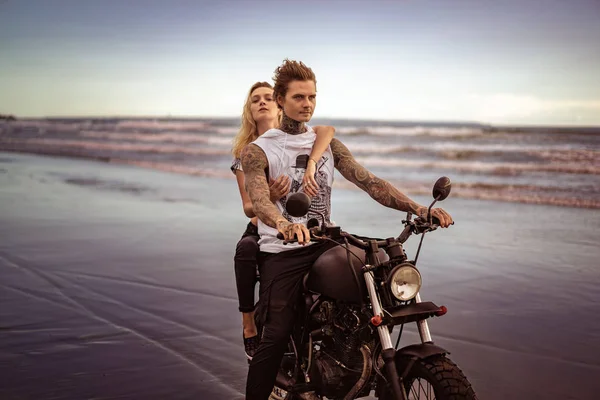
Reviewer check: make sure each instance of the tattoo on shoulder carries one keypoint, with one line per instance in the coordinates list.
(253, 158)
(379, 189)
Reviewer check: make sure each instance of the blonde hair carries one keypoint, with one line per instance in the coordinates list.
(248, 131)
(290, 71)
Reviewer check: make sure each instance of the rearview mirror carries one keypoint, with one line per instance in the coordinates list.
(442, 188)
(297, 204)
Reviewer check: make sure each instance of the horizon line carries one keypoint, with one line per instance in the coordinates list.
(411, 121)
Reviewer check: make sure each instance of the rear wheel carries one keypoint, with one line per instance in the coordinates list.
(279, 394)
(285, 370)
(434, 378)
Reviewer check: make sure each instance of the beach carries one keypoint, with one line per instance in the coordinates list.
(117, 282)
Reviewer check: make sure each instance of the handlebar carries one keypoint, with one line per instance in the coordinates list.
(419, 225)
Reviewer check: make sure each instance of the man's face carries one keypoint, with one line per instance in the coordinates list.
(300, 100)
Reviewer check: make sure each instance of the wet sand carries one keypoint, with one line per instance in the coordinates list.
(117, 282)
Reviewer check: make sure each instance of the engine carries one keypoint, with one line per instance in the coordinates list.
(337, 356)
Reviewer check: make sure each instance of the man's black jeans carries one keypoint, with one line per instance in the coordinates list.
(280, 289)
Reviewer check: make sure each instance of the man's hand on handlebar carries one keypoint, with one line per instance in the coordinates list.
(292, 231)
(438, 215)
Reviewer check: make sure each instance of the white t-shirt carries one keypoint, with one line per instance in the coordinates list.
(288, 155)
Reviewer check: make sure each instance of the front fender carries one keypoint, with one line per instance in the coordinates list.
(406, 357)
(420, 351)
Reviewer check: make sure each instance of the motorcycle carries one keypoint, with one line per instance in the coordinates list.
(355, 295)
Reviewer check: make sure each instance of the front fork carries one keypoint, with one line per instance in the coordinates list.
(388, 350)
(422, 325)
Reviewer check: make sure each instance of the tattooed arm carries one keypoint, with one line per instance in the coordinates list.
(254, 164)
(379, 189)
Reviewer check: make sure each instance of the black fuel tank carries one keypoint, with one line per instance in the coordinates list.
(331, 276)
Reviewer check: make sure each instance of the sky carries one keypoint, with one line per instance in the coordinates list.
(530, 62)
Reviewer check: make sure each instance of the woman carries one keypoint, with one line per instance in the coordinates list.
(259, 115)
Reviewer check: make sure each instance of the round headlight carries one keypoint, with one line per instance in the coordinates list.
(404, 282)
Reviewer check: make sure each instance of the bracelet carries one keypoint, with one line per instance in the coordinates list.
(313, 160)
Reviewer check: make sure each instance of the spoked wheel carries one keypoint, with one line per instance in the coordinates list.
(420, 389)
(435, 378)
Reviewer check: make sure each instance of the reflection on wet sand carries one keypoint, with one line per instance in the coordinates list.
(112, 293)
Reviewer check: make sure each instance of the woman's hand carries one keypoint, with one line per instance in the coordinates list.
(311, 187)
(279, 188)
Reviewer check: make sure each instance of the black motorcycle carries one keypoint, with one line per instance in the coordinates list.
(354, 296)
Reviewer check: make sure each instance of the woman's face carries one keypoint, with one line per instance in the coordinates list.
(263, 106)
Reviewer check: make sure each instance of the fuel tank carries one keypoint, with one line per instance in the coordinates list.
(331, 275)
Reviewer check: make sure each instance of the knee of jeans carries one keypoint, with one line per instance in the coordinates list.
(280, 322)
(275, 334)
(247, 246)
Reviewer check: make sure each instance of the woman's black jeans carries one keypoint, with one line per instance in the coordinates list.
(245, 262)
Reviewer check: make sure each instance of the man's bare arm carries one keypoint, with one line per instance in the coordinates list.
(254, 164)
(379, 189)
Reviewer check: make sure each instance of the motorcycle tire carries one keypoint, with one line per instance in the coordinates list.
(436, 377)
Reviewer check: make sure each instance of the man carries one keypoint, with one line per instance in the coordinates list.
(277, 152)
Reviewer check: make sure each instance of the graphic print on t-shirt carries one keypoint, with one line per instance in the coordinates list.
(321, 203)
(288, 156)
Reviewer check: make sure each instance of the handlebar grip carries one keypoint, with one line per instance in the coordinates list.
(435, 221)
(280, 237)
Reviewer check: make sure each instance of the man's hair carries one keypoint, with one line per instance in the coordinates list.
(290, 71)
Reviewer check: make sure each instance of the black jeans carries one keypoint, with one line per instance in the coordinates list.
(280, 291)
(245, 261)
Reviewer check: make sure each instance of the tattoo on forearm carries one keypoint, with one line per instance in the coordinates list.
(291, 126)
(380, 190)
(254, 163)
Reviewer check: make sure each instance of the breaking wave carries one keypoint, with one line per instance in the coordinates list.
(542, 166)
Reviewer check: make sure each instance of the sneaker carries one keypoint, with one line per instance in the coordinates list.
(250, 346)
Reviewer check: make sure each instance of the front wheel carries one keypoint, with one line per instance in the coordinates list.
(435, 377)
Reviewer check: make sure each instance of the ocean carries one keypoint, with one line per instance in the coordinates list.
(553, 166)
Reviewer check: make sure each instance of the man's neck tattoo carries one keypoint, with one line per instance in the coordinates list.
(291, 126)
